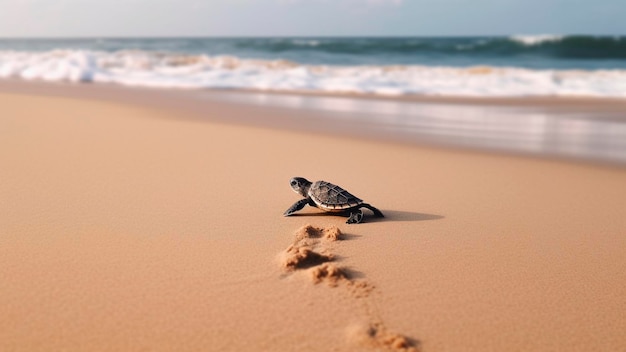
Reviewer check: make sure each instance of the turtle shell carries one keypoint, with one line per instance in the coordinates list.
(331, 197)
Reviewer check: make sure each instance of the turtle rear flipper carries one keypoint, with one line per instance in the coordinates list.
(377, 212)
(355, 217)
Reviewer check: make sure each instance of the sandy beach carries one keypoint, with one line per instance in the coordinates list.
(131, 224)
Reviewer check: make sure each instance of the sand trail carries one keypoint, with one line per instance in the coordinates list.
(313, 250)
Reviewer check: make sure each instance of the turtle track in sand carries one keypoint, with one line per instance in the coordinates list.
(312, 251)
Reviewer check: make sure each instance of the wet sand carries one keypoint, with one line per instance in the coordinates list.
(134, 224)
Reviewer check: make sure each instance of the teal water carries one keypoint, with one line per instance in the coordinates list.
(537, 52)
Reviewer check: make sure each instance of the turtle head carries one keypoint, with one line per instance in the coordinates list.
(300, 185)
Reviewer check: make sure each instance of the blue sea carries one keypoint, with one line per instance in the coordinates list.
(539, 65)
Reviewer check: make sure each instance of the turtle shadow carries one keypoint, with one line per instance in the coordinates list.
(390, 215)
(400, 215)
(326, 214)
(320, 213)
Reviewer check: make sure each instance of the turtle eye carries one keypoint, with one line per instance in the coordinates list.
(294, 183)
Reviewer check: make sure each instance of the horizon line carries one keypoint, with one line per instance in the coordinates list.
(192, 36)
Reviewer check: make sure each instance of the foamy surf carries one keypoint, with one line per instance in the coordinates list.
(536, 39)
(183, 71)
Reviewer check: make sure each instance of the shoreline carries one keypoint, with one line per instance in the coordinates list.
(564, 102)
(326, 114)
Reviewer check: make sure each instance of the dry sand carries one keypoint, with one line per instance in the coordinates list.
(126, 228)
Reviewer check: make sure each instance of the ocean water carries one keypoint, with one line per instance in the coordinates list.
(543, 65)
(531, 130)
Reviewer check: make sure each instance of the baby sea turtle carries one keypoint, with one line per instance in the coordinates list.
(328, 197)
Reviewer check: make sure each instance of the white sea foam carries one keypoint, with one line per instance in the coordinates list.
(530, 40)
(169, 70)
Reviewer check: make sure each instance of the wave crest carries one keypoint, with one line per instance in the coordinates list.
(530, 40)
(175, 70)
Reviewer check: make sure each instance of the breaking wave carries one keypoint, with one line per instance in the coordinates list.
(187, 71)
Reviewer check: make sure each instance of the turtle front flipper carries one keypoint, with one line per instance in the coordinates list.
(296, 206)
(355, 217)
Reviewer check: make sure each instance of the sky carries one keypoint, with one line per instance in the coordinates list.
(89, 18)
